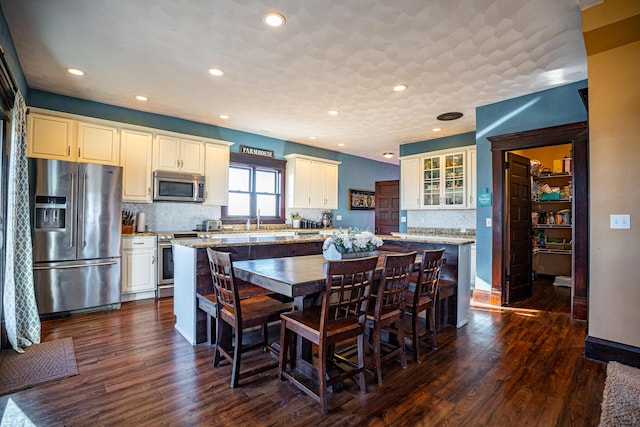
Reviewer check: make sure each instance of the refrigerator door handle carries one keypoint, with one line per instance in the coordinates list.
(60, 267)
(84, 207)
(70, 220)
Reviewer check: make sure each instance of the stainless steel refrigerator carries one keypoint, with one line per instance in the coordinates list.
(76, 224)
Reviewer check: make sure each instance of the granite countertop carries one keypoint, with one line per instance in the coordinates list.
(449, 240)
(247, 240)
(146, 233)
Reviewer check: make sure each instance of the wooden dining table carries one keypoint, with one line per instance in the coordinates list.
(301, 278)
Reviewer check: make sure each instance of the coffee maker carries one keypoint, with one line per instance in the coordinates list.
(326, 219)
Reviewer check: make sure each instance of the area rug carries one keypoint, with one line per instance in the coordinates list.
(40, 363)
(621, 399)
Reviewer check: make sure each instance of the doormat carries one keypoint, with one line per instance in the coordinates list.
(40, 363)
(621, 399)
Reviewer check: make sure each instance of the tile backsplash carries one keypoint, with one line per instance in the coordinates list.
(168, 216)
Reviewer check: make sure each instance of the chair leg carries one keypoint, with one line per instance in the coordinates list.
(265, 334)
(376, 352)
(237, 353)
(219, 329)
(403, 353)
(284, 347)
(416, 341)
(432, 327)
(361, 376)
(322, 378)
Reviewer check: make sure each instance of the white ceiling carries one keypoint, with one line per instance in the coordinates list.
(343, 55)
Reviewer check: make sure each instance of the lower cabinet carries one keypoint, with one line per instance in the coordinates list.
(138, 267)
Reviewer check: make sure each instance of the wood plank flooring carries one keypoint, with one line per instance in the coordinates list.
(507, 367)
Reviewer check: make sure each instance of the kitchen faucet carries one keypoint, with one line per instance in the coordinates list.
(258, 220)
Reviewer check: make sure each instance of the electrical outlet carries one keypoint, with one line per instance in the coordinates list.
(403, 219)
(463, 230)
(488, 222)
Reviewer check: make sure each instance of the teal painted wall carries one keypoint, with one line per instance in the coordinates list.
(443, 143)
(353, 172)
(6, 42)
(552, 107)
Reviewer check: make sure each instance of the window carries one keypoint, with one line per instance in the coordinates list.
(256, 184)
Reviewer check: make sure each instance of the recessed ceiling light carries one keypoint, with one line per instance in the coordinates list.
(75, 71)
(387, 155)
(313, 137)
(274, 19)
(216, 72)
(445, 117)
(224, 116)
(333, 112)
(436, 129)
(341, 145)
(141, 98)
(400, 88)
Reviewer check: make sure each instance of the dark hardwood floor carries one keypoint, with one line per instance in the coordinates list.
(507, 367)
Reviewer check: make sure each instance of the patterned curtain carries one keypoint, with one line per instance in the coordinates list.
(20, 309)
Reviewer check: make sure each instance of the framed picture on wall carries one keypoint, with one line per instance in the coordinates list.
(362, 199)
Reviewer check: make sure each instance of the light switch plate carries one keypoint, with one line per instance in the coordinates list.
(620, 221)
(403, 219)
(488, 222)
(338, 217)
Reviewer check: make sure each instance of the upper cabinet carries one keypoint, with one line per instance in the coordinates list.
(439, 180)
(311, 182)
(98, 144)
(60, 138)
(176, 154)
(50, 137)
(216, 172)
(135, 160)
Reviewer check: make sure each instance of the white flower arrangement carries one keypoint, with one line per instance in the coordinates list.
(353, 241)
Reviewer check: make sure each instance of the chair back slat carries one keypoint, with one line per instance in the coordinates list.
(394, 282)
(224, 281)
(347, 288)
(430, 267)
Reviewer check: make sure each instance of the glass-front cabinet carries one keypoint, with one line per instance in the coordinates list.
(443, 180)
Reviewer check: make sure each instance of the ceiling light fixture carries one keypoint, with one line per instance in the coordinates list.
(216, 72)
(224, 116)
(453, 115)
(436, 129)
(274, 19)
(341, 145)
(333, 112)
(75, 71)
(400, 88)
(313, 137)
(141, 98)
(387, 155)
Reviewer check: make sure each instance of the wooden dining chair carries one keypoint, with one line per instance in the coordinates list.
(422, 297)
(239, 314)
(340, 317)
(386, 309)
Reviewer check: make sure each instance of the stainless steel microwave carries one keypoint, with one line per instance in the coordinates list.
(178, 187)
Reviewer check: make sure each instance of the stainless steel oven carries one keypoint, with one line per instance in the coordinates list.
(165, 261)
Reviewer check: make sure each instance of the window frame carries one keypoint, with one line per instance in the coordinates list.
(257, 162)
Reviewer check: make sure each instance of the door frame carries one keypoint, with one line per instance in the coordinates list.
(576, 134)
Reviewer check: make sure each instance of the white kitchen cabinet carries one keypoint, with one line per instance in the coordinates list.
(216, 171)
(51, 137)
(135, 159)
(138, 267)
(98, 144)
(311, 182)
(171, 153)
(439, 180)
(409, 183)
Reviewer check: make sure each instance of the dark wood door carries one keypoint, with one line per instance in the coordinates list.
(387, 207)
(518, 279)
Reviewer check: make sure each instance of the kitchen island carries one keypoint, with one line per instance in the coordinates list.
(192, 275)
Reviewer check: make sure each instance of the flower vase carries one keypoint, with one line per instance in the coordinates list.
(333, 254)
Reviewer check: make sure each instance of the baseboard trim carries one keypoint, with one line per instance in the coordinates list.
(607, 351)
(481, 296)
